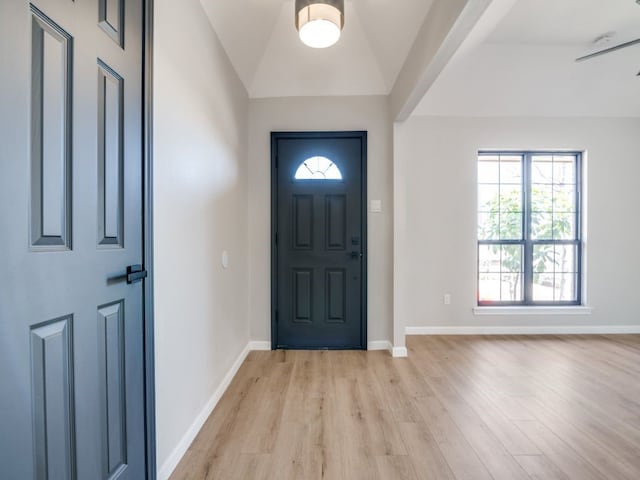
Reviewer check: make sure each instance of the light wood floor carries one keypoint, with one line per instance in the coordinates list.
(458, 408)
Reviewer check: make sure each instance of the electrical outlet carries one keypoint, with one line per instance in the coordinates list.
(447, 299)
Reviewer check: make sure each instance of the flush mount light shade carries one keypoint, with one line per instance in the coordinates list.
(319, 23)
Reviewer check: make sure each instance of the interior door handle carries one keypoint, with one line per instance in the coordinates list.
(135, 273)
(355, 254)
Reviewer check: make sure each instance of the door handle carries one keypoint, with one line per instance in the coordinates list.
(135, 273)
(355, 254)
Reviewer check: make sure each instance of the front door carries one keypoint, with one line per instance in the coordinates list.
(71, 327)
(319, 241)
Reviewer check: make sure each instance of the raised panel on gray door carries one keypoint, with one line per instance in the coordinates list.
(51, 95)
(112, 19)
(111, 351)
(53, 411)
(110, 156)
(71, 190)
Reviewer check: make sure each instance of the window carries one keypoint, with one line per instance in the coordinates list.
(318, 168)
(529, 232)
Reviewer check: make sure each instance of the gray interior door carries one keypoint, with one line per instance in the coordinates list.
(71, 328)
(319, 268)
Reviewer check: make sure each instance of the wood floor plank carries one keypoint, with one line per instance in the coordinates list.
(264, 428)
(382, 429)
(424, 453)
(396, 467)
(412, 378)
(498, 461)
(559, 452)
(396, 394)
(453, 444)
(458, 408)
(505, 431)
(591, 437)
(601, 419)
(539, 467)
(358, 458)
(288, 460)
(586, 442)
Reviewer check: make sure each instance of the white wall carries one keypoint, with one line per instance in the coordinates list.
(435, 215)
(322, 113)
(200, 195)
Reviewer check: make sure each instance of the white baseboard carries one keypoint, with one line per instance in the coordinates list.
(380, 345)
(171, 463)
(259, 345)
(525, 330)
(399, 352)
(373, 345)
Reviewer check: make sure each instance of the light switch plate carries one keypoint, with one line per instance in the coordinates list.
(376, 206)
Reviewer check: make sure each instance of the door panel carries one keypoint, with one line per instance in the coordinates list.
(302, 295)
(336, 295)
(302, 227)
(110, 156)
(319, 261)
(51, 67)
(112, 358)
(336, 222)
(111, 19)
(53, 409)
(71, 328)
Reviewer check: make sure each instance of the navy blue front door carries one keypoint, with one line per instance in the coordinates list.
(319, 256)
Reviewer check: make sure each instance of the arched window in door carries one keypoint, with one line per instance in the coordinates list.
(318, 168)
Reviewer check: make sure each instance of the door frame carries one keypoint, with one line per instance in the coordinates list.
(314, 135)
(147, 246)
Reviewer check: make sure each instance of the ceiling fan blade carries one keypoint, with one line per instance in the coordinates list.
(608, 50)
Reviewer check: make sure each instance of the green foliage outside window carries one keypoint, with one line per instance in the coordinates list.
(551, 218)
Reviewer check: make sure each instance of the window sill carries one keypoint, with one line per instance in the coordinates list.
(572, 310)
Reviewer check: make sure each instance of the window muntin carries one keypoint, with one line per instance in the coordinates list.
(318, 168)
(529, 245)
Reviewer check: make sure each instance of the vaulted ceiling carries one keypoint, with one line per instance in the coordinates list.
(262, 43)
(517, 60)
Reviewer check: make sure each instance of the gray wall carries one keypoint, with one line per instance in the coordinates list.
(321, 113)
(200, 194)
(435, 231)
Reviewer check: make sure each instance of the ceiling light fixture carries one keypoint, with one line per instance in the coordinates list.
(319, 22)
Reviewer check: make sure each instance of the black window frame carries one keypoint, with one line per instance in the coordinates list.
(526, 241)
